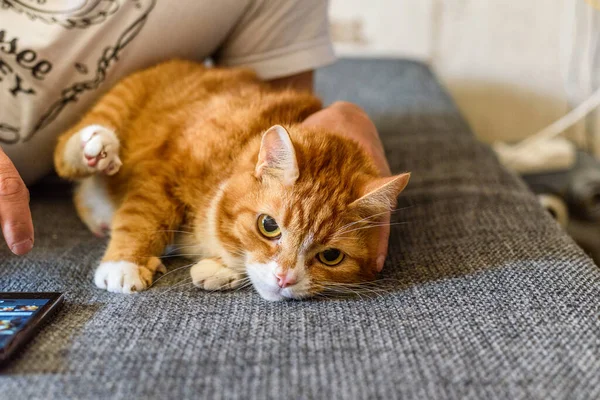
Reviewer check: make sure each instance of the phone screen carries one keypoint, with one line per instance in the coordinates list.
(14, 316)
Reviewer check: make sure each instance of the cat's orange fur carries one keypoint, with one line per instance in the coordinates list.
(189, 139)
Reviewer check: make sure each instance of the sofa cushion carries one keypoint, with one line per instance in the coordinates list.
(482, 296)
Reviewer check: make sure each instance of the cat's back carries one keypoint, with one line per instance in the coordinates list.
(174, 84)
(182, 101)
(197, 119)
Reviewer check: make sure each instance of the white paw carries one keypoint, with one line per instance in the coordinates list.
(100, 149)
(122, 277)
(209, 274)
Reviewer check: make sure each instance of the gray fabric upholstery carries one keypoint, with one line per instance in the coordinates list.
(482, 295)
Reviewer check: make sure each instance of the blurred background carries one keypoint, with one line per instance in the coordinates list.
(513, 66)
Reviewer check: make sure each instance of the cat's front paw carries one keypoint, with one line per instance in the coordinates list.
(122, 277)
(100, 149)
(211, 274)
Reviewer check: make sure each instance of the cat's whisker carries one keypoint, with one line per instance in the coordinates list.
(161, 256)
(175, 231)
(247, 283)
(366, 227)
(239, 255)
(166, 231)
(170, 272)
(179, 255)
(346, 293)
(184, 282)
(225, 285)
(371, 226)
(237, 252)
(340, 291)
(358, 289)
(341, 230)
(376, 282)
(177, 249)
(376, 224)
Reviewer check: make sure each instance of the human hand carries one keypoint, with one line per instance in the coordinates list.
(15, 216)
(351, 121)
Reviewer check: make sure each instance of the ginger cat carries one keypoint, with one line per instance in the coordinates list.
(219, 151)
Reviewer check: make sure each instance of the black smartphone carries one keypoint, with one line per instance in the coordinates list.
(21, 316)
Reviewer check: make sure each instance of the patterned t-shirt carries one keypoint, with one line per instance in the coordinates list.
(58, 56)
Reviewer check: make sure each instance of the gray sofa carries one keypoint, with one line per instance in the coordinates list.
(482, 296)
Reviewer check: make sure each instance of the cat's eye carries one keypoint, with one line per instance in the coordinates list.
(268, 227)
(331, 257)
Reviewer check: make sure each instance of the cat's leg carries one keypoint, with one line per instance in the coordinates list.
(93, 204)
(141, 228)
(93, 144)
(212, 274)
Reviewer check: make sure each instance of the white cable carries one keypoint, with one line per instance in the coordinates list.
(564, 123)
(511, 155)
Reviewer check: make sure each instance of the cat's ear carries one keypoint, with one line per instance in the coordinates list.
(277, 157)
(380, 194)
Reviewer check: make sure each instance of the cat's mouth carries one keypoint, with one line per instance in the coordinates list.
(272, 295)
(270, 292)
(266, 285)
(275, 293)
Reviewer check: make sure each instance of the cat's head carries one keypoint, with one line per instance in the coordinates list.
(303, 215)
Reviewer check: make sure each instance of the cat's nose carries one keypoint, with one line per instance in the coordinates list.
(285, 279)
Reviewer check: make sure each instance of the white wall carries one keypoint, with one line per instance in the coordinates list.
(503, 60)
(400, 28)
